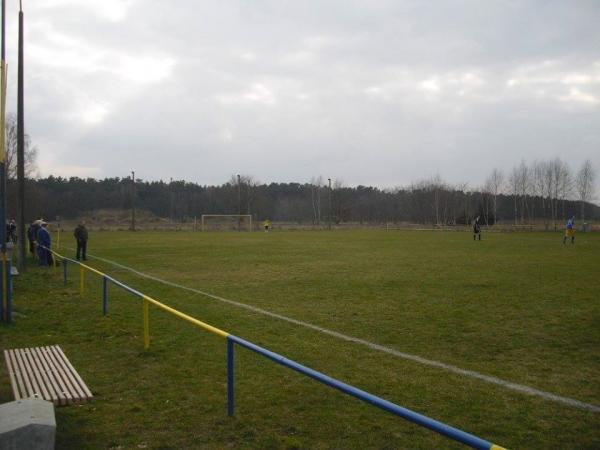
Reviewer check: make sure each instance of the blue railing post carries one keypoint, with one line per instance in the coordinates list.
(104, 295)
(8, 292)
(230, 378)
(65, 262)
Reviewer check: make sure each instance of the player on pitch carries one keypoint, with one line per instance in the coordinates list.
(570, 230)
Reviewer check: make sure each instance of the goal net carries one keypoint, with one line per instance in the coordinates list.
(226, 222)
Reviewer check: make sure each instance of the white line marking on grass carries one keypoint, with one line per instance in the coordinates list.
(428, 362)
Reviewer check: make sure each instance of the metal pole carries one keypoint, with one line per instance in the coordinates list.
(64, 261)
(3, 137)
(104, 296)
(146, 325)
(4, 287)
(239, 203)
(329, 222)
(230, 378)
(81, 280)
(21, 149)
(133, 201)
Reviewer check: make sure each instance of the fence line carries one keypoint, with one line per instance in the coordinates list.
(407, 414)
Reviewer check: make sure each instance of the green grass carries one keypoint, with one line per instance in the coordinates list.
(521, 307)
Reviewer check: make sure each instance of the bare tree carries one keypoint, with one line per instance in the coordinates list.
(494, 185)
(523, 188)
(513, 181)
(11, 151)
(316, 185)
(586, 178)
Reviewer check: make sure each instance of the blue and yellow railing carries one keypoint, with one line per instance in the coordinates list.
(232, 340)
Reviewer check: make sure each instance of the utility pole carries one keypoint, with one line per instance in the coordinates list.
(20, 149)
(239, 202)
(329, 222)
(3, 138)
(133, 201)
(6, 307)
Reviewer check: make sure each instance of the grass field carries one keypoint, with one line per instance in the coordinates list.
(521, 307)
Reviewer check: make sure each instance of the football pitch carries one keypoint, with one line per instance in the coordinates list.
(500, 338)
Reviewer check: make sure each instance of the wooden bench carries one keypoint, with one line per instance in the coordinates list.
(45, 373)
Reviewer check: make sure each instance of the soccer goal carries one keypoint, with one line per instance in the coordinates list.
(225, 222)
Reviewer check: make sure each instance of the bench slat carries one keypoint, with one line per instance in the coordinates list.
(45, 372)
(11, 374)
(82, 386)
(22, 372)
(35, 375)
(45, 383)
(67, 377)
(58, 397)
(60, 376)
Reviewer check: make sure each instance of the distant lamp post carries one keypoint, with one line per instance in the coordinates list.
(329, 222)
(239, 202)
(132, 201)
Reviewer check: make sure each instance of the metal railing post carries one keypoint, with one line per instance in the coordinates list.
(3, 295)
(64, 262)
(8, 311)
(230, 378)
(146, 325)
(104, 296)
(81, 280)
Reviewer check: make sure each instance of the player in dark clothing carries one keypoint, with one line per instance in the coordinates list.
(81, 236)
(476, 229)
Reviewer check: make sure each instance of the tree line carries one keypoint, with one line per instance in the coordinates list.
(542, 192)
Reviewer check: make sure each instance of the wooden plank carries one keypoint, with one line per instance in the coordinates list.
(59, 376)
(18, 376)
(23, 373)
(35, 391)
(70, 379)
(31, 375)
(67, 381)
(87, 393)
(11, 374)
(47, 388)
(36, 374)
(59, 397)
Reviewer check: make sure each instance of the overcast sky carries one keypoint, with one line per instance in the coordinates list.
(369, 92)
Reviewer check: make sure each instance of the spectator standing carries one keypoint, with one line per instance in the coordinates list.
(32, 232)
(44, 244)
(81, 236)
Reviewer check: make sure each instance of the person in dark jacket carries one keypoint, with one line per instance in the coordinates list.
(476, 229)
(44, 244)
(32, 232)
(81, 236)
(11, 231)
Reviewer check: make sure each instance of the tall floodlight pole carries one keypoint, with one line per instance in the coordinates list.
(132, 201)
(21, 148)
(3, 73)
(5, 306)
(329, 221)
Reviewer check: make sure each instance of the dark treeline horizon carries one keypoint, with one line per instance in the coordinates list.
(425, 202)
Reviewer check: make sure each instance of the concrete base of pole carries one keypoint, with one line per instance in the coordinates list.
(27, 424)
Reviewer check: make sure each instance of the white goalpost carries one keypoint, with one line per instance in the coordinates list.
(227, 221)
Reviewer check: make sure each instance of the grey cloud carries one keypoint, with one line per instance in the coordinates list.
(375, 93)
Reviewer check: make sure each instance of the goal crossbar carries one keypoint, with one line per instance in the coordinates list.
(203, 216)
